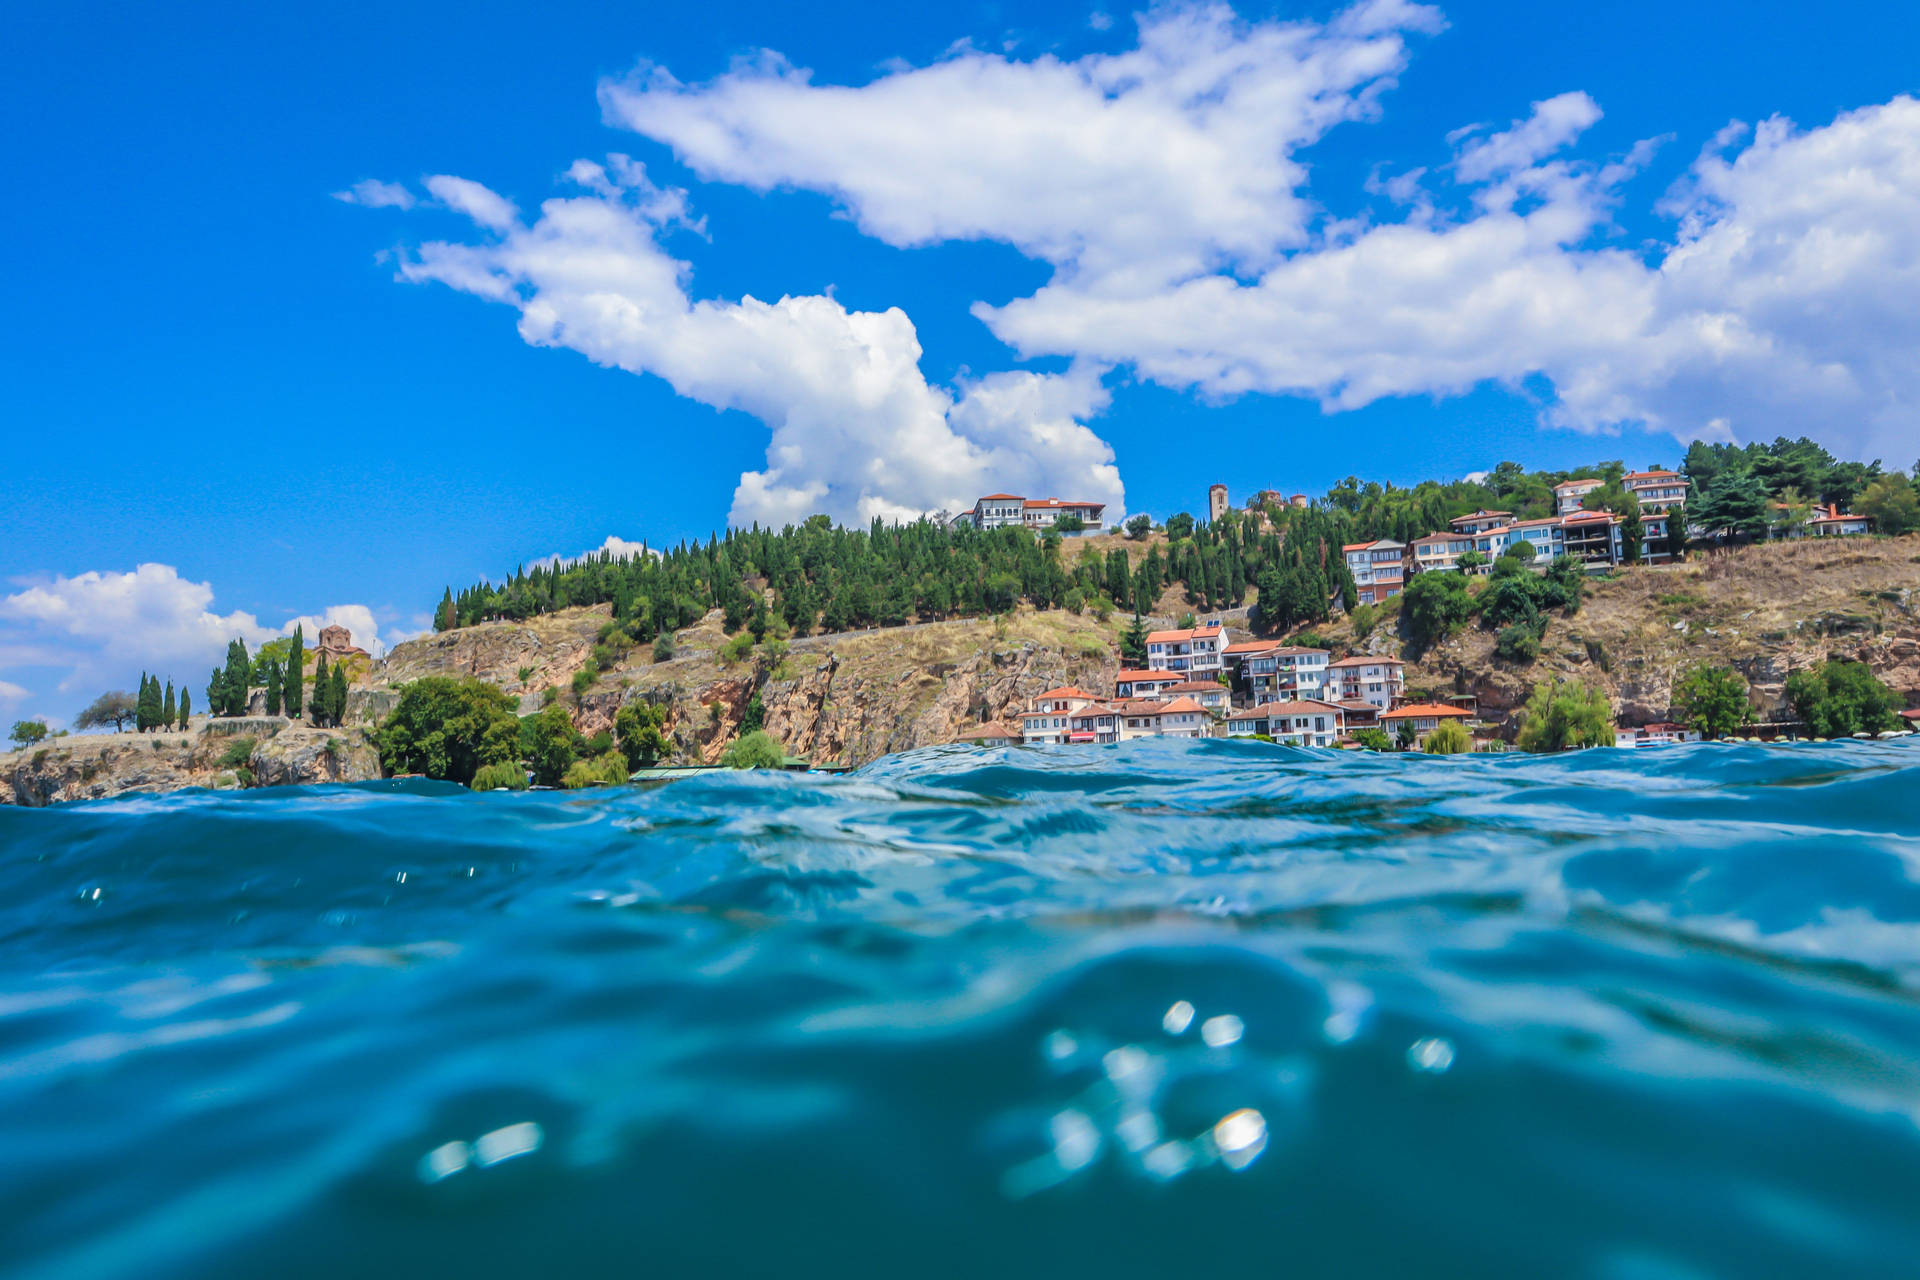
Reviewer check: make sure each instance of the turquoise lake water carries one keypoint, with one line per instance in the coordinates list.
(1161, 1009)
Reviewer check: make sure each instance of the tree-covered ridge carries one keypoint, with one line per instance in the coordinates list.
(830, 579)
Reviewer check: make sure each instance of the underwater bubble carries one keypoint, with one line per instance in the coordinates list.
(1432, 1055)
(1240, 1137)
(1177, 1018)
(1222, 1030)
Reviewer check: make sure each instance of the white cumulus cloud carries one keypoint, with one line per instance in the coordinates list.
(100, 630)
(857, 430)
(617, 547)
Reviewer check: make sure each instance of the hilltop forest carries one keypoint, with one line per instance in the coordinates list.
(829, 579)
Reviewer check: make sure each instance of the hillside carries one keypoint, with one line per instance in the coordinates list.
(216, 754)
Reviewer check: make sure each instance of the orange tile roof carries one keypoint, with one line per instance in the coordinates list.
(1251, 646)
(1002, 497)
(991, 729)
(1267, 710)
(1065, 691)
(1137, 676)
(1169, 637)
(1422, 711)
(1367, 662)
(1568, 484)
(1031, 503)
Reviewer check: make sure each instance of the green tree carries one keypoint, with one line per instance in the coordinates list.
(550, 744)
(337, 695)
(1677, 533)
(756, 750)
(1179, 525)
(235, 679)
(755, 715)
(1433, 607)
(663, 647)
(1133, 643)
(144, 710)
(26, 733)
(1469, 560)
(317, 704)
(1521, 551)
(447, 728)
(641, 729)
(1138, 527)
(1517, 643)
(607, 769)
(1449, 738)
(115, 708)
(1713, 700)
(501, 776)
(1373, 739)
(273, 687)
(293, 684)
(168, 711)
(186, 709)
(1891, 503)
(1563, 714)
(444, 618)
(1840, 698)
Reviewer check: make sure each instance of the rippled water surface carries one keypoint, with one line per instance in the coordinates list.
(1162, 1009)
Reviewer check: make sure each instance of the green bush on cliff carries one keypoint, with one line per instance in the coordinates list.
(448, 728)
(756, 750)
(550, 744)
(1840, 698)
(1713, 701)
(609, 769)
(641, 728)
(1566, 714)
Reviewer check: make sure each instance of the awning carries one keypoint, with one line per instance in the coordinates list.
(1080, 737)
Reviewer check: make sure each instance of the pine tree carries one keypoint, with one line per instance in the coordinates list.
(317, 705)
(1133, 643)
(273, 688)
(186, 710)
(167, 711)
(444, 618)
(293, 683)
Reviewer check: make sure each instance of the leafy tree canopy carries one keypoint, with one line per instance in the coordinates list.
(1713, 701)
(756, 750)
(447, 728)
(1566, 714)
(1840, 698)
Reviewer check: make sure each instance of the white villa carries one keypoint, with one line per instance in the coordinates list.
(1196, 652)
(1379, 682)
(1302, 723)
(1000, 510)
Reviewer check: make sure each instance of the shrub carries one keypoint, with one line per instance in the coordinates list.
(756, 750)
(1374, 739)
(1102, 609)
(549, 743)
(608, 769)
(1510, 600)
(1562, 715)
(663, 647)
(582, 680)
(1312, 640)
(737, 649)
(1451, 738)
(1840, 698)
(1364, 618)
(1075, 600)
(641, 727)
(238, 752)
(755, 716)
(549, 695)
(1518, 643)
(599, 744)
(1713, 700)
(526, 674)
(447, 728)
(1433, 607)
(493, 777)
(1090, 646)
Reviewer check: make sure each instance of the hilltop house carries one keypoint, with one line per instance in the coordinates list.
(1568, 494)
(1001, 510)
(1378, 568)
(1145, 684)
(1196, 652)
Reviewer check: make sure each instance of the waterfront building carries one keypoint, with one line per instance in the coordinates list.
(1425, 717)
(1300, 722)
(1215, 697)
(1831, 522)
(1378, 568)
(991, 734)
(1284, 671)
(1095, 722)
(1654, 735)
(1593, 538)
(1176, 718)
(1145, 684)
(1378, 681)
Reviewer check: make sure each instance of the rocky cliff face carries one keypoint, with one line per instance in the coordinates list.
(244, 751)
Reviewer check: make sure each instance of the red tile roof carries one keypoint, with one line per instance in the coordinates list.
(1252, 646)
(1065, 691)
(1424, 711)
(1137, 676)
(1002, 497)
(1297, 706)
(1366, 662)
(1173, 637)
(1568, 484)
(1032, 503)
(991, 729)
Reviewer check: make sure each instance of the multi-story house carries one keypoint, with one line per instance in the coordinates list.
(1176, 718)
(1145, 684)
(1547, 534)
(1095, 722)
(997, 510)
(1593, 538)
(1199, 652)
(1831, 522)
(1439, 551)
(991, 734)
(1378, 568)
(1284, 672)
(1479, 521)
(1374, 680)
(1048, 721)
(1425, 717)
(1300, 722)
(1658, 491)
(1211, 694)
(1567, 495)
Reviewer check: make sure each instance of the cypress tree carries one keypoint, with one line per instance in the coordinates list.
(337, 695)
(186, 712)
(273, 688)
(167, 712)
(444, 617)
(217, 693)
(140, 706)
(293, 683)
(318, 703)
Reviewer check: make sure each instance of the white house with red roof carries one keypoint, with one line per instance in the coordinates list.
(1439, 552)
(1283, 671)
(999, 510)
(1831, 522)
(1479, 521)
(1658, 491)
(1298, 722)
(1210, 694)
(1368, 678)
(1174, 718)
(1568, 493)
(1145, 684)
(1378, 568)
(1197, 652)
(1048, 721)
(1095, 722)
(1425, 717)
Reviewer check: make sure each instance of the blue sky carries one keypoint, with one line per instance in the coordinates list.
(211, 368)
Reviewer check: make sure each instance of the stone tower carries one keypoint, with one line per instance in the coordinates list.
(1216, 502)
